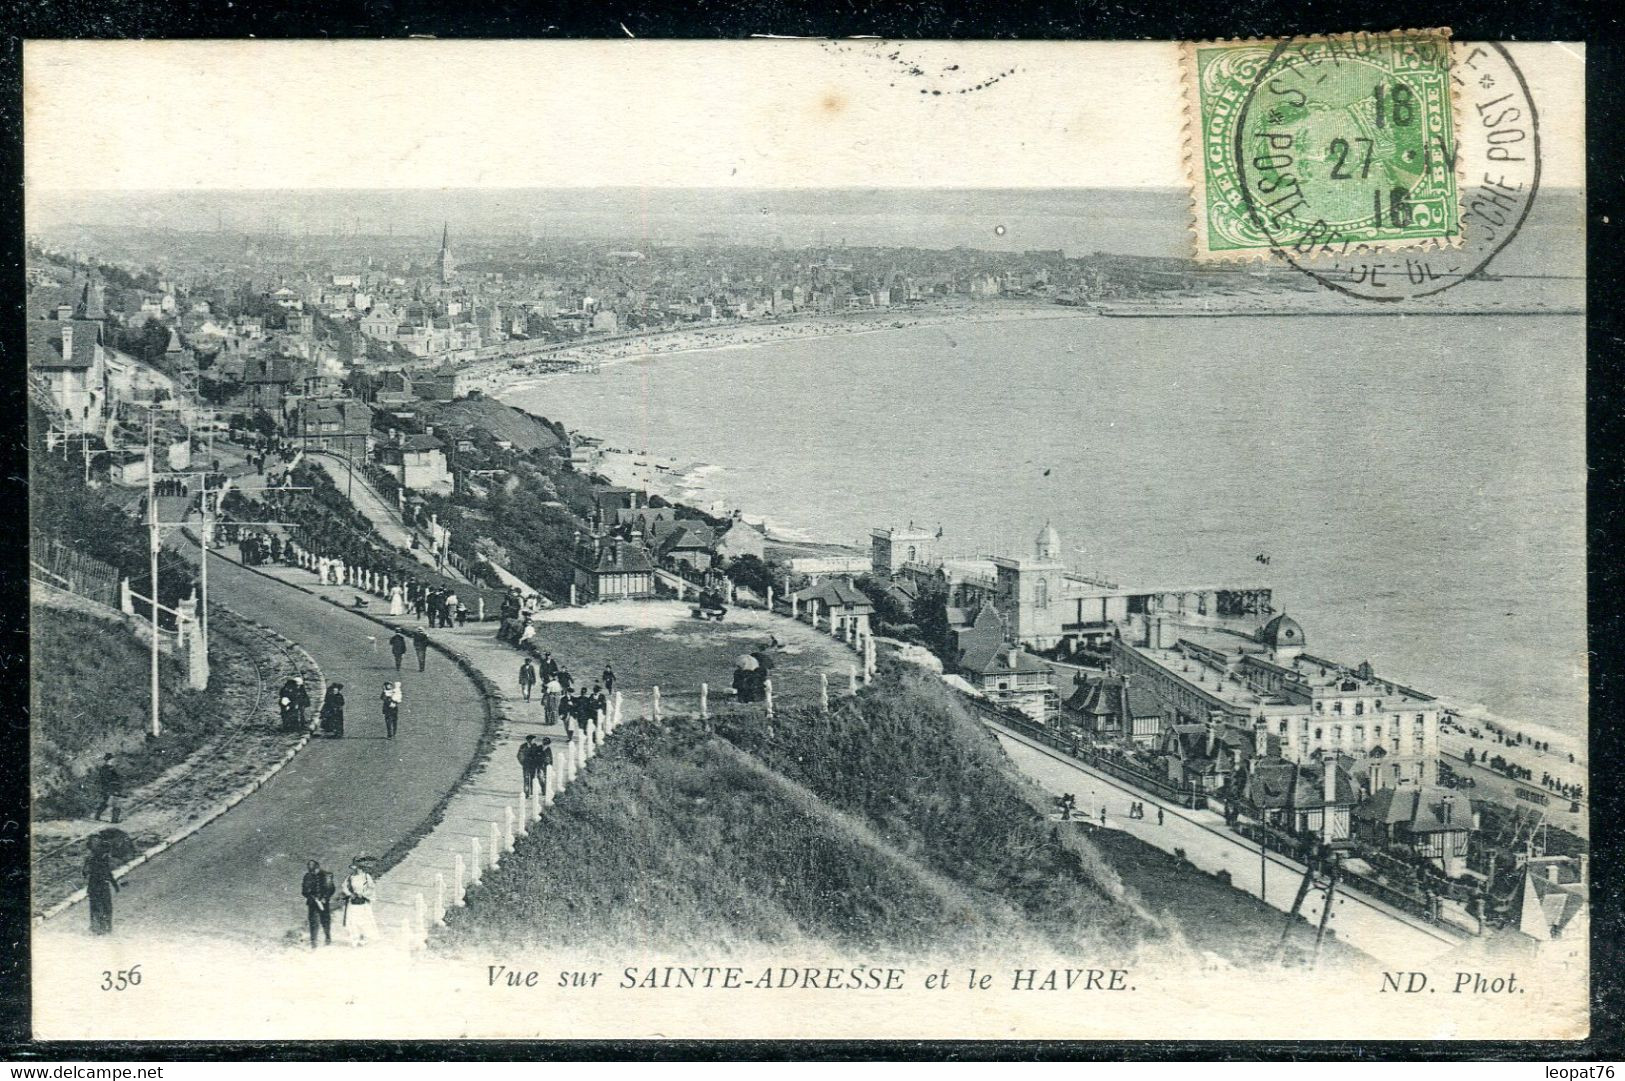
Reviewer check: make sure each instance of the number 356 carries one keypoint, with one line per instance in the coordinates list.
(121, 980)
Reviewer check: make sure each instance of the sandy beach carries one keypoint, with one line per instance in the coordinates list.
(497, 375)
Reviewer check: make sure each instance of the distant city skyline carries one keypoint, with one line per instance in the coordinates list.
(1080, 222)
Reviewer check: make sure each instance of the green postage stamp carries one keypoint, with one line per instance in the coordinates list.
(1321, 145)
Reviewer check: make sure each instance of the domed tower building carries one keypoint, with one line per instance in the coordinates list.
(1029, 592)
(1284, 637)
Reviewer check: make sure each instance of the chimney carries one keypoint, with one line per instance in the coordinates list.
(64, 312)
(1328, 782)
(67, 341)
(1551, 874)
(1012, 655)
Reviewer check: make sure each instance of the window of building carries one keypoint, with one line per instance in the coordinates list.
(1359, 708)
(1318, 732)
(1041, 593)
(1337, 708)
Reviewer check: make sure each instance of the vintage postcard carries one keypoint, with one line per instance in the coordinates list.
(808, 539)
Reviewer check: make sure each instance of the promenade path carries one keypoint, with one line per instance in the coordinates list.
(1383, 932)
(239, 877)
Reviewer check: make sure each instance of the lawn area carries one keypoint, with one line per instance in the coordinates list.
(657, 643)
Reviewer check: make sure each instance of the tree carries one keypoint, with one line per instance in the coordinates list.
(931, 613)
(751, 572)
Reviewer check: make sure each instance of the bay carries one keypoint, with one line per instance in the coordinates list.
(1418, 483)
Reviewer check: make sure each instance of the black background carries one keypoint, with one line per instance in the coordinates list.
(1494, 20)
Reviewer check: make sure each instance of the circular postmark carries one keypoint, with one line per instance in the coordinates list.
(1352, 167)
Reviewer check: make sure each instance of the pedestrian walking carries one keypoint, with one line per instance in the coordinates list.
(420, 643)
(527, 678)
(397, 645)
(550, 667)
(527, 761)
(552, 697)
(332, 715)
(294, 700)
(360, 891)
(391, 703)
(317, 888)
(107, 789)
(543, 757)
(462, 615)
(609, 678)
(100, 885)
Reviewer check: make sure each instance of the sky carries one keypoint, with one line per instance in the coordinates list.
(251, 115)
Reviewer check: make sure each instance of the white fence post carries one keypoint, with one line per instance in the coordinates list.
(440, 898)
(477, 868)
(823, 691)
(704, 693)
(496, 845)
(852, 679)
(507, 828)
(656, 710)
(767, 688)
(457, 887)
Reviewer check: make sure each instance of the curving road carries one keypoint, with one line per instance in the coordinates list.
(239, 876)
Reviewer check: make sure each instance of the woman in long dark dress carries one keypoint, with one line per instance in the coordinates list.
(333, 712)
(100, 885)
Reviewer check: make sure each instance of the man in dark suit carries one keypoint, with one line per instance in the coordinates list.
(107, 787)
(317, 887)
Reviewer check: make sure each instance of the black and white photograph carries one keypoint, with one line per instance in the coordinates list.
(804, 540)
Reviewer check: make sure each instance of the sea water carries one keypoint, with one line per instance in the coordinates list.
(1417, 484)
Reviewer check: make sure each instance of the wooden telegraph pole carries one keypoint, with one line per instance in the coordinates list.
(157, 728)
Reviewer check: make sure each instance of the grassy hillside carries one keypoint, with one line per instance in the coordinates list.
(893, 824)
(88, 697)
(499, 421)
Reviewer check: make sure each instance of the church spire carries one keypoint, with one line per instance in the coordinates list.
(445, 264)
